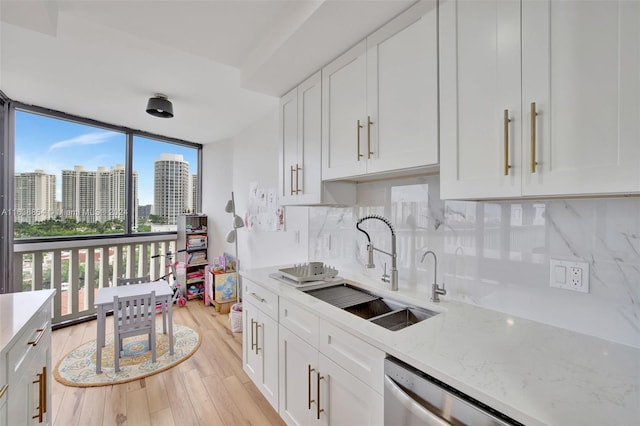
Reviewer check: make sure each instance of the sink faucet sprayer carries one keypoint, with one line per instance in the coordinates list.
(436, 290)
(370, 248)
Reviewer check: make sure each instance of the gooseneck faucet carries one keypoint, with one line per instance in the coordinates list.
(393, 279)
(436, 290)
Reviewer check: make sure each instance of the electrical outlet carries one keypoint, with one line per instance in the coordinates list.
(569, 275)
(576, 276)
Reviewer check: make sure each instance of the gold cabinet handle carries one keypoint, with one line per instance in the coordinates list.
(298, 168)
(309, 400)
(42, 395)
(44, 389)
(318, 410)
(369, 123)
(534, 115)
(4, 390)
(359, 126)
(253, 345)
(257, 335)
(507, 120)
(35, 341)
(255, 296)
(291, 181)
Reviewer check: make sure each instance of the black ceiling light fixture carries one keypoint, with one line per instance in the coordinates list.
(160, 106)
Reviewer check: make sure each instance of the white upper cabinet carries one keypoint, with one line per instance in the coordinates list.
(402, 94)
(565, 122)
(479, 81)
(380, 100)
(300, 133)
(581, 67)
(344, 85)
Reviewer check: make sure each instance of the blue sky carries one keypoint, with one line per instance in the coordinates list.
(54, 145)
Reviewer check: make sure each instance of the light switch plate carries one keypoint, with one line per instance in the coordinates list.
(569, 275)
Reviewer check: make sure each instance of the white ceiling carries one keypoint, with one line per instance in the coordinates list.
(223, 63)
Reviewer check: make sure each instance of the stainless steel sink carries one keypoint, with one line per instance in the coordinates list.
(390, 314)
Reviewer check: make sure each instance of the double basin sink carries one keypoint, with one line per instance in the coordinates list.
(379, 310)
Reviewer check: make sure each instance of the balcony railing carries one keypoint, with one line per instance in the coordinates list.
(78, 268)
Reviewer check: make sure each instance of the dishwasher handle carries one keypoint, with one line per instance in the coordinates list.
(425, 416)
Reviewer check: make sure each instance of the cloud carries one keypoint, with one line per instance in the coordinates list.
(94, 138)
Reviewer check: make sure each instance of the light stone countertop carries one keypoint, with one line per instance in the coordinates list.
(532, 372)
(16, 309)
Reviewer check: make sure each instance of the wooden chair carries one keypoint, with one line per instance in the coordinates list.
(133, 280)
(133, 316)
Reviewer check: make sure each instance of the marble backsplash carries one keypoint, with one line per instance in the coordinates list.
(496, 254)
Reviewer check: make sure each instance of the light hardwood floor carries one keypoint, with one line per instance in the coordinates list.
(210, 388)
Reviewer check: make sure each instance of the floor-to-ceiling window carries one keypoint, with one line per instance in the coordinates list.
(70, 178)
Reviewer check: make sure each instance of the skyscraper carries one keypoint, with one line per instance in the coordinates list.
(35, 197)
(171, 187)
(98, 196)
(79, 194)
(193, 193)
(118, 192)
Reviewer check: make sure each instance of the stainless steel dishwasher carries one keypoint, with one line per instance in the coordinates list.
(412, 397)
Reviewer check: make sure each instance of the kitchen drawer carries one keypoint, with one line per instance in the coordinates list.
(37, 330)
(354, 355)
(264, 299)
(300, 321)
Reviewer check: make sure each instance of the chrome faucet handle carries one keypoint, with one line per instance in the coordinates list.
(385, 277)
(437, 291)
(370, 263)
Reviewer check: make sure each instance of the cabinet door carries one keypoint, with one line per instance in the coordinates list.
(297, 385)
(309, 178)
(581, 66)
(289, 142)
(4, 388)
(344, 93)
(345, 400)
(26, 404)
(249, 355)
(479, 81)
(402, 76)
(267, 346)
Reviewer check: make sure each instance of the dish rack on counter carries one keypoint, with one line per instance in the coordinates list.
(306, 273)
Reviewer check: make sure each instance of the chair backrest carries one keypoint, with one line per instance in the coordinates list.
(133, 280)
(135, 312)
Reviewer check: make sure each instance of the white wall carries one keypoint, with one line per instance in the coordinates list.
(251, 156)
(217, 184)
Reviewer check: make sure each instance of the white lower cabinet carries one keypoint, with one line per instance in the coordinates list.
(314, 389)
(260, 350)
(311, 371)
(298, 364)
(345, 400)
(25, 376)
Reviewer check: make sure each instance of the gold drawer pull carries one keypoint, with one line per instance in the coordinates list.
(369, 123)
(35, 342)
(257, 335)
(318, 410)
(309, 400)
(359, 126)
(255, 296)
(507, 120)
(3, 390)
(298, 168)
(253, 345)
(534, 115)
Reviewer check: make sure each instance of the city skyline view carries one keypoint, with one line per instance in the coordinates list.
(53, 145)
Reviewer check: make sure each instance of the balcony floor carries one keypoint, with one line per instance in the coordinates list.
(210, 388)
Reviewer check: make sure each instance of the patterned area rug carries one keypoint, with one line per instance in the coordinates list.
(78, 368)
